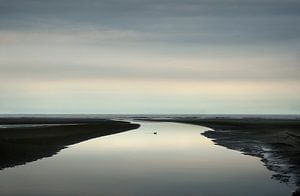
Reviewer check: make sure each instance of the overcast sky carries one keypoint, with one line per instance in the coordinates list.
(150, 56)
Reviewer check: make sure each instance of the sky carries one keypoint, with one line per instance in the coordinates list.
(150, 56)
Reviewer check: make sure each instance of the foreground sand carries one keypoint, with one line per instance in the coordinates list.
(25, 144)
(275, 141)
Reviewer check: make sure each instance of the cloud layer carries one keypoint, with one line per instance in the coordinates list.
(196, 43)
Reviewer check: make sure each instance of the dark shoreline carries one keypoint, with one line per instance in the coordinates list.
(21, 145)
(275, 141)
(48, 120)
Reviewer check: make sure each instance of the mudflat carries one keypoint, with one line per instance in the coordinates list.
(275, 141)
(47, 136)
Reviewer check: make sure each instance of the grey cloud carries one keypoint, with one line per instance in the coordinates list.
(131, 11)
(176, 40)
(180, 30)
(123, 71)
(149, 24)
(192, 21)
(119, 7)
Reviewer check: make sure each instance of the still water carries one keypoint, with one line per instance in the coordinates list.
(178, 160)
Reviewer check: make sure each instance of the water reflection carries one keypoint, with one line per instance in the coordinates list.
(176, 161)
(22, 144)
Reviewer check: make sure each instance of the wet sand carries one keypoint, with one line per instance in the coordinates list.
(20, 145)
(275, 141)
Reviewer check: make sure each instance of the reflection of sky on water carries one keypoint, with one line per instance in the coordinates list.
(176, 161)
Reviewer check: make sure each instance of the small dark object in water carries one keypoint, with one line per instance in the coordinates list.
(155, 133)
